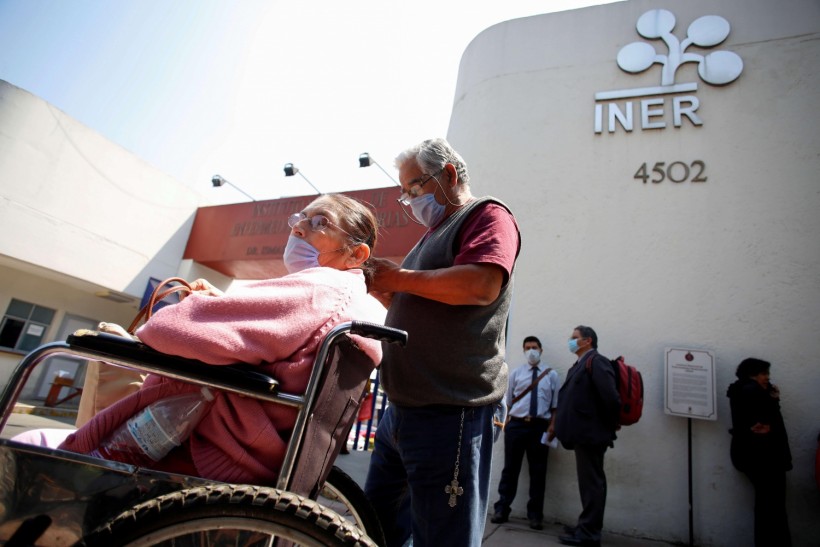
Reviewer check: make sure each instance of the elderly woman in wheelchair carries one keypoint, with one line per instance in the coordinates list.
(305, 345)
(275, 324)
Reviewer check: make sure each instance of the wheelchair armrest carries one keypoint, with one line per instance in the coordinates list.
(379, 332)
(106, 347)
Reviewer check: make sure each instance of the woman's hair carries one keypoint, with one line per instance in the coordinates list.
(751, 367)
(358, 220)
(432, 155)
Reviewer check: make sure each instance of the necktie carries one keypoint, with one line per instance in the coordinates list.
(534, 394)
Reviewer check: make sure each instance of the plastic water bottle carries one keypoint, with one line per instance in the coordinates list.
(148, 436)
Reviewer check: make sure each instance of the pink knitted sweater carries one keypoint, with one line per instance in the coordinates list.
(277, 324)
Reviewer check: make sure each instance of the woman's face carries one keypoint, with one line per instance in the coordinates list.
(762, 379)
(334, 245)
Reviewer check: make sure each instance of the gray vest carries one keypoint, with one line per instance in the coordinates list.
(454, 354)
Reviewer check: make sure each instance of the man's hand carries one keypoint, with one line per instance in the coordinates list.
(550, 433)
(383, 270)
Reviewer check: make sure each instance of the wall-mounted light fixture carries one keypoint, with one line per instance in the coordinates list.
(365, 160)
(218, 180)
(291, 170)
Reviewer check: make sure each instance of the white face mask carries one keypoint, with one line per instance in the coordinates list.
(300, 255)
(533, 356)
(427, 210)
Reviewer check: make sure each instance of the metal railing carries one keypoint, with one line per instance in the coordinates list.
(366, 429)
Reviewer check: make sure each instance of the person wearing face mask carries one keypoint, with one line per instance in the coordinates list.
(532, 397)
(429, 472)
(586, 421)
(276, 324)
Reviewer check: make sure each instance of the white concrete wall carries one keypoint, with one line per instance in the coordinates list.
(79, 216)
(188, 269)
(81, 205)
(730, 265)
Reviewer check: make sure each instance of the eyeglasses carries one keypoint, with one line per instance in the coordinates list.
(318, 223)
(415, 188)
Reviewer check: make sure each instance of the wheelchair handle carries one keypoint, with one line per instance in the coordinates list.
(379, 332)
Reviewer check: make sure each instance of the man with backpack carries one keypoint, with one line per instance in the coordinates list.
(586, 421)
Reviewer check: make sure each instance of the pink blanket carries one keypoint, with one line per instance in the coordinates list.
(277, 324)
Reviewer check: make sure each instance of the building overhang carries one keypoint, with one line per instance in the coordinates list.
(246, 240)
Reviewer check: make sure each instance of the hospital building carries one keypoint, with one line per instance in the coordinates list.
(662, 158)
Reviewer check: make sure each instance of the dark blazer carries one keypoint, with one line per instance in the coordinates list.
(588, 403)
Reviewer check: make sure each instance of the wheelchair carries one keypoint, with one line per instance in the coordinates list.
(52, 497)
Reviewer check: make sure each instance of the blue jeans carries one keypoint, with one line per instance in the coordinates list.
(413, 463)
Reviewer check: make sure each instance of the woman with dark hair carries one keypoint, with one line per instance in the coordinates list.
(760, 448)
(276, 324)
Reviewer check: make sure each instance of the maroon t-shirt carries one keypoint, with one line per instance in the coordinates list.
(489, 236)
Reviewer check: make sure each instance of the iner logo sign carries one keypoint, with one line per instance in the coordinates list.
(618, 107)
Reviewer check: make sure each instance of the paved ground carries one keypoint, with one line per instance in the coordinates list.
(30, 416)
(514, 533)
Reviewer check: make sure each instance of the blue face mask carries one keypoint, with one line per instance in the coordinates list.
(573, 345)
(427, 210)
(300, 255)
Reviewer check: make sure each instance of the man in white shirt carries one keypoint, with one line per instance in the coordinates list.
(532, 396)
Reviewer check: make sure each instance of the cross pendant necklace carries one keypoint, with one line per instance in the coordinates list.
(453, 488)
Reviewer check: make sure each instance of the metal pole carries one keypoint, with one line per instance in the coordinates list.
(311, 184)
(691, 512)
(386, 173)
(240, 189)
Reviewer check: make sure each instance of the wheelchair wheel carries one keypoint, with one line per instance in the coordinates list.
(225, 514)
(342, 495)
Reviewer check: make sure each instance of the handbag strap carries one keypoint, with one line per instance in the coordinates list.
(159, 294)
(529, 387)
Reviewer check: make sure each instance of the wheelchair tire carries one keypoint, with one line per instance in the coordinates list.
(228, 514)
(344, 496)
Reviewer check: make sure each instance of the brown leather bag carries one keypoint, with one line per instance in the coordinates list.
(159, 294)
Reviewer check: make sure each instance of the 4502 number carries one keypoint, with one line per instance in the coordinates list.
(677, 171)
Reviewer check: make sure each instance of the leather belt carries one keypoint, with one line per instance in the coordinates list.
(528, 419)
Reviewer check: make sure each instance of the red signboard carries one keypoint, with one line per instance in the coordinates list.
(246, 240)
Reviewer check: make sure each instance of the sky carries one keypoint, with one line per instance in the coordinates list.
(241, 87)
